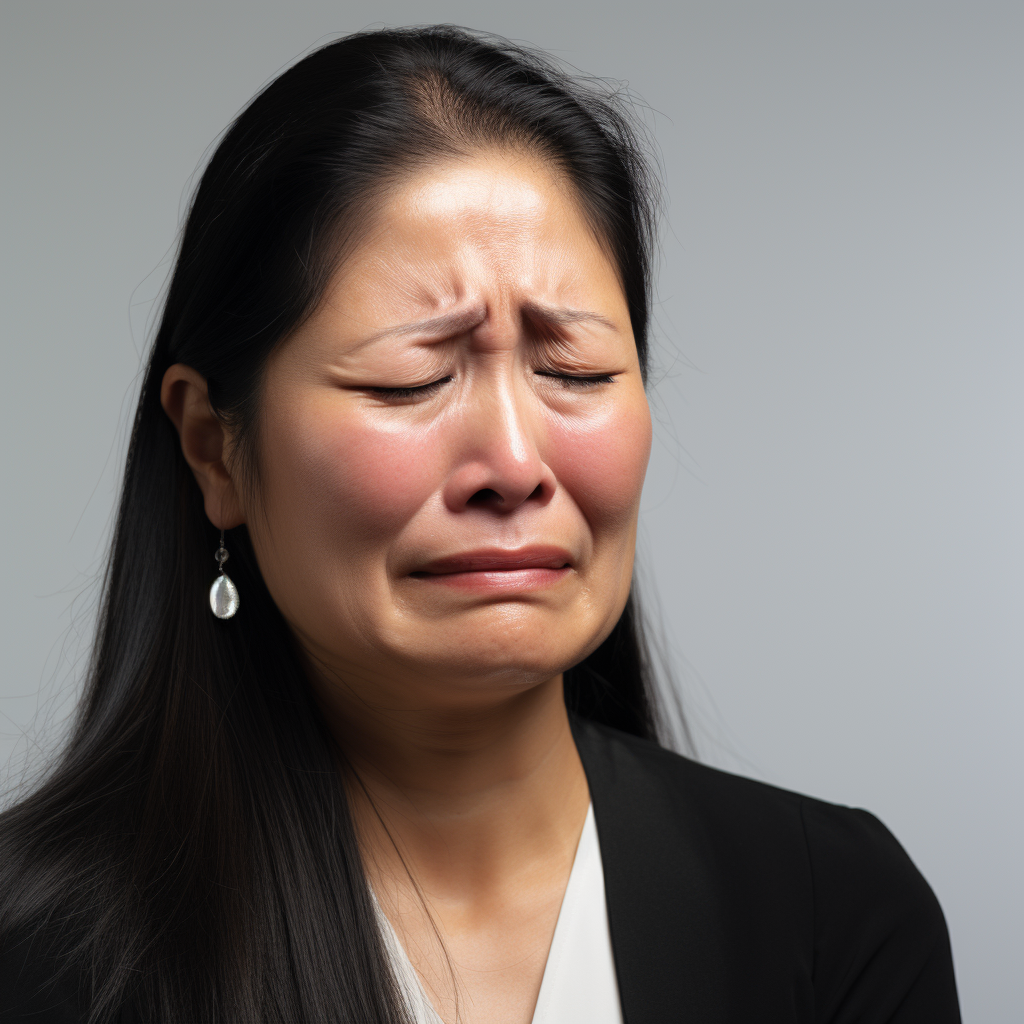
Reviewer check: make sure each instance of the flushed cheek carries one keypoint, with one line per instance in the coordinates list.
(353, 481)
(601, 461)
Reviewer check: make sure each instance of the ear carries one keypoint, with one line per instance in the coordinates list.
(205, 442)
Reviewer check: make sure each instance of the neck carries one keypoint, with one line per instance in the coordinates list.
(464, 801)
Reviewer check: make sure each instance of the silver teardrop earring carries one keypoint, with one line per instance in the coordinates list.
(223, 593)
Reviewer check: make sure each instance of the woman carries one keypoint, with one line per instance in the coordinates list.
(395, 758)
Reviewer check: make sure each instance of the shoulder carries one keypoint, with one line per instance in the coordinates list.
(729, 808)
(737, 810)
(46, 963)
(832, 882)
(33, 985)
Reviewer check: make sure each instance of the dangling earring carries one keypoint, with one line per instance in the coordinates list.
(223, 593)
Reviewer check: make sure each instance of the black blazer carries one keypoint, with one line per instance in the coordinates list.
(729, 902)
(733, 902)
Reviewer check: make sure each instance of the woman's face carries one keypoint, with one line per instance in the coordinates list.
(453, 446)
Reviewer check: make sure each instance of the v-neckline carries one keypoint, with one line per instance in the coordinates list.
(411, 987)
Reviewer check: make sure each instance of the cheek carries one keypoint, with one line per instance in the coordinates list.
(346, 480)
(602, 460)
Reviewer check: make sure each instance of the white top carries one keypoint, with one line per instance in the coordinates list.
(579, 985)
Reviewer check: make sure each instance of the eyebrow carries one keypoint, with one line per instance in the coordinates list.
(561, 316)
(449, 325)
(445, 326)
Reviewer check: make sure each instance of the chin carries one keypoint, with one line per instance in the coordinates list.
(516, 655)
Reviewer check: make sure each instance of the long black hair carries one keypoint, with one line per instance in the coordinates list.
(191, 852)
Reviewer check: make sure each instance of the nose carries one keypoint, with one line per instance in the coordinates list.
(498, 464)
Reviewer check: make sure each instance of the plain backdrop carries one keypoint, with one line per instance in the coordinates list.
(833, 517)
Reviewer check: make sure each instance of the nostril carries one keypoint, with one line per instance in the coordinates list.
(486, 496)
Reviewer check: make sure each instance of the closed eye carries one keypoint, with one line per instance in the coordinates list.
(410, 391)
(576, 380)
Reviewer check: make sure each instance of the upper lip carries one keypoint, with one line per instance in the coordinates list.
(539, 556)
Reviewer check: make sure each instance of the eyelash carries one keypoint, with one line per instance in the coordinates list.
(410, 392)
(567, 380)
(570, 380)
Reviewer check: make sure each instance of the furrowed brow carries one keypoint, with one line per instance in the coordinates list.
(448, 325)
(562, 316)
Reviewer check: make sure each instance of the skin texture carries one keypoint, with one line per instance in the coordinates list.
(482, 278)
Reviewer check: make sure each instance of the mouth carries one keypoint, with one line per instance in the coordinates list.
(491, 569)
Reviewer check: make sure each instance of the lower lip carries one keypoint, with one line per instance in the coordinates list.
(498, 580)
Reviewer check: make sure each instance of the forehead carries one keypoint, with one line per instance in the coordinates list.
(494, 226)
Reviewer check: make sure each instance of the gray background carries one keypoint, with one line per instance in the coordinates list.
(833, 517)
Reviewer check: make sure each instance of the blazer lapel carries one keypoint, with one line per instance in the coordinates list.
(662, 892)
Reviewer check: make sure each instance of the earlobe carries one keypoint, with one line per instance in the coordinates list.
(205, 443)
